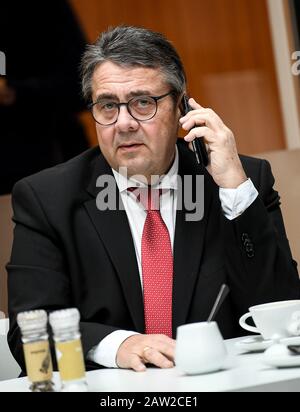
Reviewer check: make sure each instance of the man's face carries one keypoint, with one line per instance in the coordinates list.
(143, 147)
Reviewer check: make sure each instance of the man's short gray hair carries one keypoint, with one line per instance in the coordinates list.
(130, 46)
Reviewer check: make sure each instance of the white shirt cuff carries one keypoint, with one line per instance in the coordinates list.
(235, 201)
(106, 351)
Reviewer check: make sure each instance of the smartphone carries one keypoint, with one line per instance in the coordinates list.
(198, 143)
(294, 348)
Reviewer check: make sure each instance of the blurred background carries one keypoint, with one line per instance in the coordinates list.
(237, 54)
(238, 59)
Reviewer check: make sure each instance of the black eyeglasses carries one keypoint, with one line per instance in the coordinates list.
(141, 108)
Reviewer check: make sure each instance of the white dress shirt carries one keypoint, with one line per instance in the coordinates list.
(234, 202)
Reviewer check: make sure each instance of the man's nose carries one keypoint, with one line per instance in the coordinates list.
(125, 121)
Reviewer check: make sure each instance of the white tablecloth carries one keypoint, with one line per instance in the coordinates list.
(243, 372)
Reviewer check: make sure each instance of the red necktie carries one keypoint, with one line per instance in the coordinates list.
(157, 266)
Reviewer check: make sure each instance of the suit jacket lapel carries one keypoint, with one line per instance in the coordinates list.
(114, 231)
(188, 242)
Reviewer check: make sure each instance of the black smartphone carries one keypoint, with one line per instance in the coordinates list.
(294, 349)
(198, 143)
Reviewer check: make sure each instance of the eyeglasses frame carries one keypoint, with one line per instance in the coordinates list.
(155, 98)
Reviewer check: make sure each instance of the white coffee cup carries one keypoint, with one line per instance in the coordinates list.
(200, 348)
(274, 320)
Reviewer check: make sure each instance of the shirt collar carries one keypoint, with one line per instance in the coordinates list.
(167, 181)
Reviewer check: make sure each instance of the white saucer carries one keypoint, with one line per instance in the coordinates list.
(256, 343)
(294, 340)
(253, 344)
(284, 361)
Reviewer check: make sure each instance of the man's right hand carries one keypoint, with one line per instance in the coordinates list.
(137, 350)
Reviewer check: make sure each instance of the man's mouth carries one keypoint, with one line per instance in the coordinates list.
(129, 146)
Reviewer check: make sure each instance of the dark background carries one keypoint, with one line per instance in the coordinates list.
(295, 7)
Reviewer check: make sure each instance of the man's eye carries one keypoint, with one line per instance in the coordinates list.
(107, 106)
(143, 102)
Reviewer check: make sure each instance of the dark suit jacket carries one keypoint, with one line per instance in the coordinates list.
(68, 253)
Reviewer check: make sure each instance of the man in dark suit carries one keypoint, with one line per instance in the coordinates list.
(69, 250)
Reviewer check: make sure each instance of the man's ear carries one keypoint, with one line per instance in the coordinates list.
(179, 106)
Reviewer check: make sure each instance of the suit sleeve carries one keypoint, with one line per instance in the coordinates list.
(38, 276)
(259, 262)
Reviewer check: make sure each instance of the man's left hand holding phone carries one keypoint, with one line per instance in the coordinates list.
(224, 163)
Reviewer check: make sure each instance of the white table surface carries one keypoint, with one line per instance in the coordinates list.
(244, 372)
